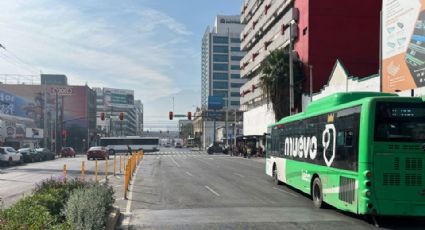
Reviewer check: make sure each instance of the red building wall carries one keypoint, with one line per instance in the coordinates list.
(335, 29)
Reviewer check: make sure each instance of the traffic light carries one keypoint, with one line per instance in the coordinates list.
(121, 116)
(102, 116)
(64, 133)
(170, 115)
(189, 115)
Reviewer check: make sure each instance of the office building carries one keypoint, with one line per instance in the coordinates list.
(221, 55)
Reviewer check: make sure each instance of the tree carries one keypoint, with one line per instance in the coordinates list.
(274, 81)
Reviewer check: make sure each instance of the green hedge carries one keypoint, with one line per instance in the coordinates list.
(50, 206)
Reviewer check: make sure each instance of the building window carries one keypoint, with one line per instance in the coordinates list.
(220, 40)
(235, 67)
(224, 67)
(235, 94)
(236, 58)
(220, 58)
(235, 103)
(235, 76)
(236, 85)
(235, 40)
(220, 93)
(220, 76)
(235, 49)
(221, 49)
(220, 85)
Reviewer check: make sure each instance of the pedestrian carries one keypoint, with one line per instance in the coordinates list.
(245, 151)
(130, 152)
(260, 151)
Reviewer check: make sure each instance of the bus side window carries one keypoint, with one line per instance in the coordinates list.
(349, 136)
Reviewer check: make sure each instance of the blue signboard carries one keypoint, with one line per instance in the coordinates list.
(215, 102)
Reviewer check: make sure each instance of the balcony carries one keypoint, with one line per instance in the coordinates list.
(251, 90)
(262, 19)
(273, 40)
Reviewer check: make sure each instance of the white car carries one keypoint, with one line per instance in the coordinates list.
(9, 156)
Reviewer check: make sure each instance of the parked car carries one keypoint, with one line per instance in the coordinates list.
(67, 152)
(9, 156)
(45, 154)
(178, 145)
(29, 155)
(215, 148)
(97, 152)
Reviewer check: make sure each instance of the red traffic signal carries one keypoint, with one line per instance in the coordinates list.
(121, 116)
(189, 115)
(102, 116)
(64, 133)
(170, 115)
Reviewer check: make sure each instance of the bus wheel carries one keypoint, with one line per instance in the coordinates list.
(316, 193)
(276, 180)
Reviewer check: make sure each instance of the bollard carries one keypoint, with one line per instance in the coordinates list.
(96, 171)
(82, 169)
(64, 171)
(115, 166)
(106, 168)
(120, 163)
(125, 184)
(124, 165)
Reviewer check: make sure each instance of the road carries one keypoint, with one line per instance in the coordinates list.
(20, 180)
(181, 189)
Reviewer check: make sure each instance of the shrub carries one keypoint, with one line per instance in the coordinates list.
(87, 208)
(27, 214)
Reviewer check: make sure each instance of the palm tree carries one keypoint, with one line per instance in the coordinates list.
(275, 81)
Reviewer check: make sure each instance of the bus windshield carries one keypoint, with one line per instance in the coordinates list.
(400, 122)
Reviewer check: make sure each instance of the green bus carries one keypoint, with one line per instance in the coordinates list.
(360, 152)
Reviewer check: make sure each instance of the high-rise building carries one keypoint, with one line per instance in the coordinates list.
(221, 55)
(112, 102)
(138, 106)
(321, 31)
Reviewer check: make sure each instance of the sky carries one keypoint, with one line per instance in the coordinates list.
(150, 46)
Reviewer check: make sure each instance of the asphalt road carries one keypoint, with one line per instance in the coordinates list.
(182, 189)
(17, 181)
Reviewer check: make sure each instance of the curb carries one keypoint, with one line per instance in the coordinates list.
(113, 217)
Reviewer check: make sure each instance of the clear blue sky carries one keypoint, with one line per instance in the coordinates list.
(151, 46)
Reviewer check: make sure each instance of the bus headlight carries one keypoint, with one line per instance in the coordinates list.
(368, 174)
(368, 183)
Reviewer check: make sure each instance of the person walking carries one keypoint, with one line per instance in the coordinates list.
(130, 151)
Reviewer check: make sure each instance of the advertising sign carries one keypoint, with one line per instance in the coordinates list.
(34, 133)
(403, 45)
(215, 102)
(118, 97)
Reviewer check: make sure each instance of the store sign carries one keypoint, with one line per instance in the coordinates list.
(62, 91)
(34, 133)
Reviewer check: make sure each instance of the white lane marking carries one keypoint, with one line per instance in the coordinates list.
(240, 175)
(175, 162)
(211, 190)
(294, 195)
(127, 213)
(188, 173)
(210, 158)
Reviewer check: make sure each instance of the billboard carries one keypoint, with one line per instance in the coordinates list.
(403, 45)
(215, 102)
(118, 98)
(33, 133)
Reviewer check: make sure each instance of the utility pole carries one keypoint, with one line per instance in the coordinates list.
(228, 85)
(45, 132)
(56, 121)
(291, 72)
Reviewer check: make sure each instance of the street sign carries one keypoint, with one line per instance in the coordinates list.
(215, 102)
(217, 115)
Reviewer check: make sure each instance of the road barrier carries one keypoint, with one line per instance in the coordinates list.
(82, 170)
(106, 169)
(120, 164)
(115, 166)
(96, 171)
(132, 163)
(64, 171)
